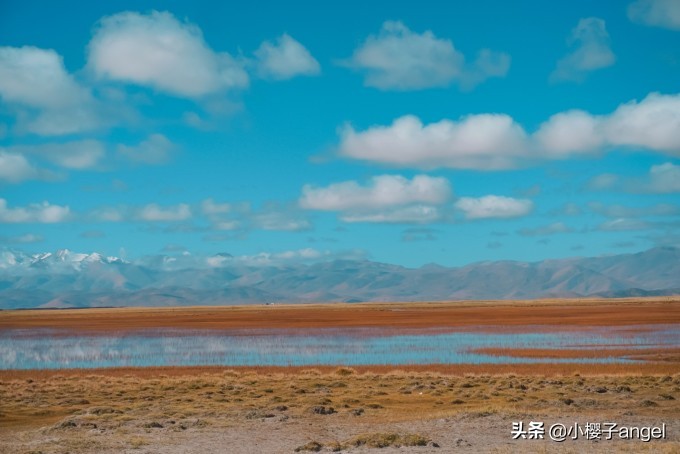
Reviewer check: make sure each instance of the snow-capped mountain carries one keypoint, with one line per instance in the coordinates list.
(62, 258)
(70, 279)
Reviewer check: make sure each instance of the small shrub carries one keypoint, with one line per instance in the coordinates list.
(322, 410)
(312, 446)
(345, 371)
(138, 442)
(383, 440)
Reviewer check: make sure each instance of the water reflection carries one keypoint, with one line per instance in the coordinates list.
(45, 349)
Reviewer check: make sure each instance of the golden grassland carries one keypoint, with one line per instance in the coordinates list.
(397, 394)
(61, 411)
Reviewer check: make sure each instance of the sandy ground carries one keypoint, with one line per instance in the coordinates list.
(471, 434)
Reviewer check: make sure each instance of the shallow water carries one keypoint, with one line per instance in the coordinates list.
(49, 349)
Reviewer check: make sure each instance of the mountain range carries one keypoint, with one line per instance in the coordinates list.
(69, 279)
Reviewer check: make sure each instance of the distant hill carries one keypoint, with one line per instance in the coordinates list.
(69, 279)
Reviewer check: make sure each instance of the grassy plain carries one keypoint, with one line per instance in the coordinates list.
(423, 408)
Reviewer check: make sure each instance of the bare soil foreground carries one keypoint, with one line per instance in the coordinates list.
(367, 409)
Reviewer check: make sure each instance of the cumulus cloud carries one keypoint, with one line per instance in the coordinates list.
(243, 217)
(574, 131)
(44, 213)
(37, 78)
(78, 154)
(591, 51)
(154, 212)
(656, 13)
(209, 207)
(159, 51)
(294, 256)
(211, 216)
(46, 98)
(15, 168)
(476, 141)
(496, 141)
(285, 59)
(157, 149)
(603, 181)
(419, 234)
(92, 234)
(661, 179)
(384, 199)
(622, 211)
(400, 59)
(382, 191)
(551, 229)
(653, 123)
(227, 225)
(28, 238)
(413, 214)
(280, 221)
(623, 224)
(493, 206)
(569, 209)
(108, 214)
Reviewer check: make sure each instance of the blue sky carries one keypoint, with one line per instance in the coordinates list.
(397, 132)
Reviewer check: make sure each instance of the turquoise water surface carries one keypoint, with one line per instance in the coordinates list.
(49, 349)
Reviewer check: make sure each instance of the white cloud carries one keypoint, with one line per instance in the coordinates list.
(79, 154)
(573, 131)
(298, 255)
(603, 182)
(591, 51)
(496, 141)
(623, 224)
(157, 149)
(159, 51)
(37, 78)
(551, 229)
(275, 216)
(285, 59)
(656, 13)
(399, 59)
(227, 225)
(476, 141)
(44, 212)
(661, 179)
(413, 214)
(45, 97)
(570, 209)
(493, 206)
(487, 64)
(383, 191)
(653, 123)
(280, 221)
(194, 120)
(27, 238)
(621, 211)
(209, 207)
(15, 168)
(154, 212)
(108, 214)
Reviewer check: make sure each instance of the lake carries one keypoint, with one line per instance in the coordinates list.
(54, 349)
